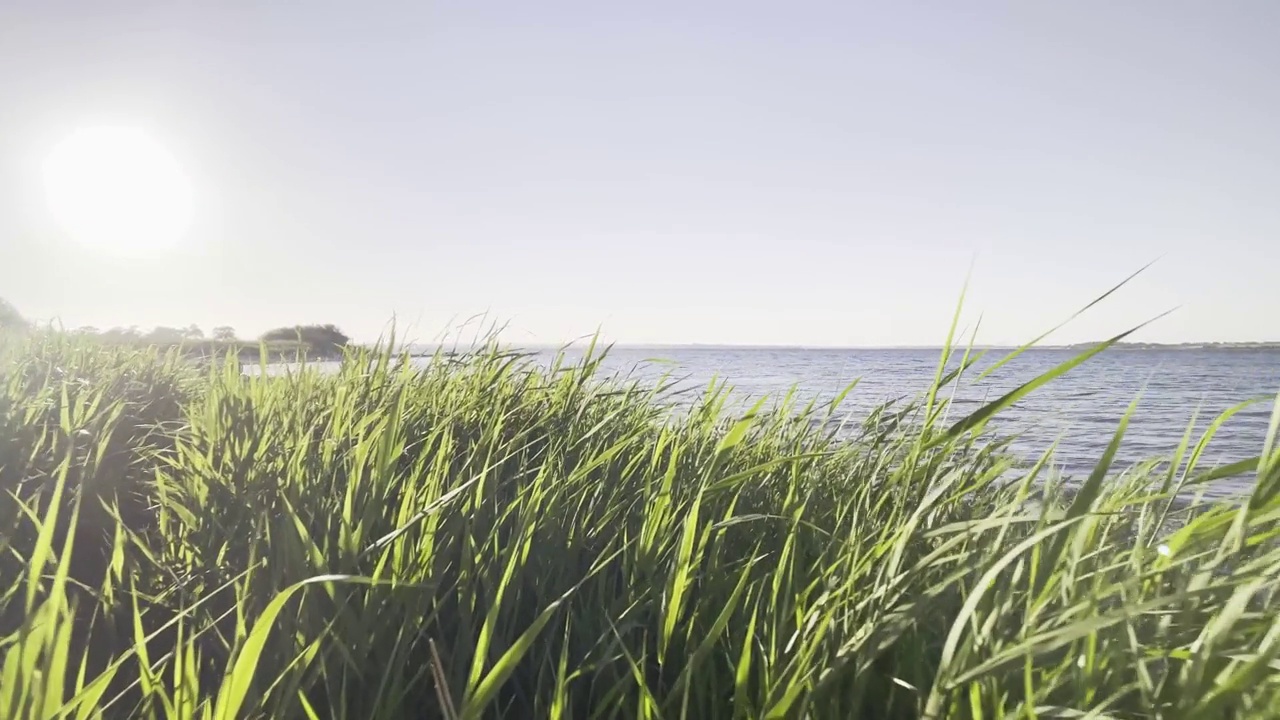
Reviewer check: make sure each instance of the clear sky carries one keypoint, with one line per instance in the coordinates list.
(814, 173)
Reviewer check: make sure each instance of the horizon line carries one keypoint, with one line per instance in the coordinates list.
(768, 346)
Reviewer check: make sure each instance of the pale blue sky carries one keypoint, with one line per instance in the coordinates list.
(817, 173)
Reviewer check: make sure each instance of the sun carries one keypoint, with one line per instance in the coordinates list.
(117, 190)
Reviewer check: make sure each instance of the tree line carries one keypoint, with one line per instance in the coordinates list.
(325, 339)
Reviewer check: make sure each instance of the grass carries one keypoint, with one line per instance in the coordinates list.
(479, 537)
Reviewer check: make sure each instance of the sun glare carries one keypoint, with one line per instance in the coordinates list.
(119, 191)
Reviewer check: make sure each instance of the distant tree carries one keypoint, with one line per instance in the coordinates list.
(193, 332)
(86, 330)
(325, 339)
(225, 333)
(10, 318)
(118, 334)
(165, 336)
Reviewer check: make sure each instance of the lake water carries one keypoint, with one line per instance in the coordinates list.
(1080, 410)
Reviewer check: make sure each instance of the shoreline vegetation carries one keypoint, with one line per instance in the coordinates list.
(284, 344)
(490, 537)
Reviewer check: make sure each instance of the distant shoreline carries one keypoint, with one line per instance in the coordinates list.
(1182, 346)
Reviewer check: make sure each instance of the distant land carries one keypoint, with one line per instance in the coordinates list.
(1182, 346)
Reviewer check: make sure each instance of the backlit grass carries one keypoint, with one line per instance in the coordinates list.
(480, 537)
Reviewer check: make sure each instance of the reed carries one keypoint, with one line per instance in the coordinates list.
(478, 536)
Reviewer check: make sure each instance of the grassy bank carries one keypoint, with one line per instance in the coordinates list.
(482, 538)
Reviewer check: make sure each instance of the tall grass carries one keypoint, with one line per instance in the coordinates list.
(480, 537)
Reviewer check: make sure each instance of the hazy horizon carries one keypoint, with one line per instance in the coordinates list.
(814, 174)
(960, 346)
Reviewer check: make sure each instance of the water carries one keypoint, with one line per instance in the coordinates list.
(1080, 410)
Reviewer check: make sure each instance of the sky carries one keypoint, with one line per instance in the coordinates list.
(762, 173)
